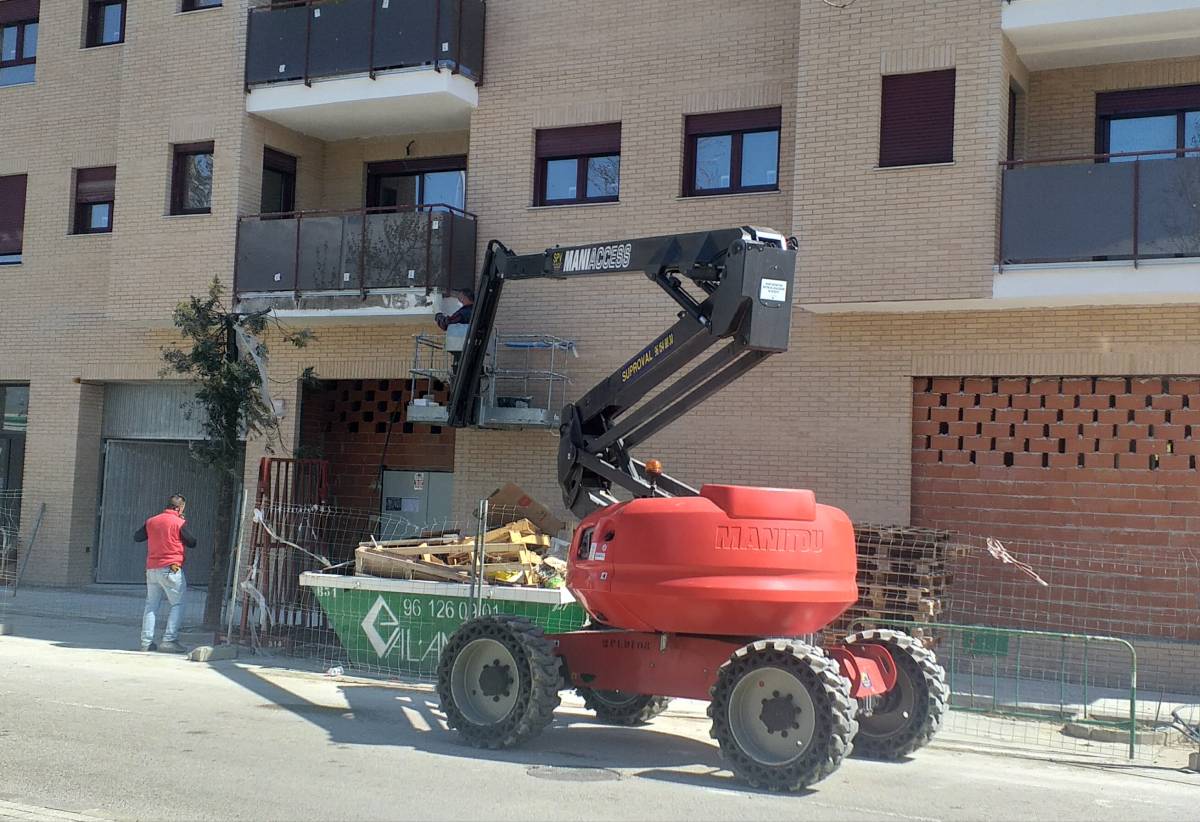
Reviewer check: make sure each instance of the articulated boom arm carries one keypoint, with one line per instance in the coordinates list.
(744, 276)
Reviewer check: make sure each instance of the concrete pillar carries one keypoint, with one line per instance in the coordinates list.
(62, 470)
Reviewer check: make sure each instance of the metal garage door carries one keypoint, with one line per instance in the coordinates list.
(138, 478)
(146, 429)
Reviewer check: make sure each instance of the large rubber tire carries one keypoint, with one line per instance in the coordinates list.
(764, 688)
(620, 708)
(907, 717)
(498, 681)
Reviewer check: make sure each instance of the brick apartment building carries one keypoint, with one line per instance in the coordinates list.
(1012, 349)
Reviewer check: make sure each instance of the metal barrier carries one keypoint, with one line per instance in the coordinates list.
(1121, 206)
(357, 250)
(1039, 677)
(312, 39)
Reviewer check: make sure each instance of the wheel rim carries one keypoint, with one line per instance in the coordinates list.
(484, 681)
(616, 699)
(771, 716)
(894, 711)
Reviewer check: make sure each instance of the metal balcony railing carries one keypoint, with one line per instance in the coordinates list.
(313, 39)
(364, 250)
(1129, 206)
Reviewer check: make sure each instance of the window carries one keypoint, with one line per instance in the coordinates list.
(12, 218)
(197, 5)
(916, 123)
(578, 165)
(106, 22)
(18, 41)
(94, 195)
(1164, 120)
(192, 178)
(278, 182)
(428, 181)
(14, 411)
(731, 152)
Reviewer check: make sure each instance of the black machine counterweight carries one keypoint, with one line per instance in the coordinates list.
(744, 276)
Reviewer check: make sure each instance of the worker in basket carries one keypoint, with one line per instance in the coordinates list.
(455, 325)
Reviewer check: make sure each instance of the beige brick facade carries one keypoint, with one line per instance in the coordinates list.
(832, 414)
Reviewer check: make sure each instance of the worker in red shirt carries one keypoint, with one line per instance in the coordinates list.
(167, 535)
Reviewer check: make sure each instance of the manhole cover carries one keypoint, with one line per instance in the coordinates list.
(573, 774)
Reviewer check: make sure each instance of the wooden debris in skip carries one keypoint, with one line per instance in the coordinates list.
(514, 554)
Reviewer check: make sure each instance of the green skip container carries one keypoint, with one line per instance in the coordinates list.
(399, 626)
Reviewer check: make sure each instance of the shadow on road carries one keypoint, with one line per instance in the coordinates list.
(409, 717)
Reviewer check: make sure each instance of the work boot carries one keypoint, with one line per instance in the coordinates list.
(151, 647)
(169, 647)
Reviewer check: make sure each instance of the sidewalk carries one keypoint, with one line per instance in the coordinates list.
(108, 603)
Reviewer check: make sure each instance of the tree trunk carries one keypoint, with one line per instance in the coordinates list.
(221, 554)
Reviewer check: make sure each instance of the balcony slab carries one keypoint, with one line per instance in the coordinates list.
(1050, 34)
(412, 304)
(407, 101)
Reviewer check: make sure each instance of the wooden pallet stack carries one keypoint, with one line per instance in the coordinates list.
(903, 577)
(514, 554)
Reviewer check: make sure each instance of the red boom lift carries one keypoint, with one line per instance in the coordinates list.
(714, 593)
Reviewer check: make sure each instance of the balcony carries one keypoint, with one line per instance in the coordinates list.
(1051, 34)
(1079, 227)
(387, 263)
(340, 69)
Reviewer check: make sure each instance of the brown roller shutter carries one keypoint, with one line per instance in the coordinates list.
(578, 141)
(18, 11)
(95, 185)
(1147, 100)
(278, 161)
(727, 121)
(917, 119)
(12, 213)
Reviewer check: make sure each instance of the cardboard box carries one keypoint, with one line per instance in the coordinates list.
(510, 502)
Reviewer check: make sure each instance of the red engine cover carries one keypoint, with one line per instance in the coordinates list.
(734, 561)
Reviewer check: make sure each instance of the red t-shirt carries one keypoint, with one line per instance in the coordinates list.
(166, 536)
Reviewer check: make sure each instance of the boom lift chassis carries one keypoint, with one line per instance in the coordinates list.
(697, 593)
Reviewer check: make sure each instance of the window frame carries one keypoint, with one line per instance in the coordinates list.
(83, 213)
(20, 60)
(578, 144)
(418, 167)
(735, 125)
(886, 148)
(1134, 104)
(179, 152)
(195, 5)
(95, 22)
(581, 176)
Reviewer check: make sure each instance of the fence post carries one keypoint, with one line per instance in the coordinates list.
(479, 561)
(37, 526)
(1137, 196)
(296, 261)
(1132, 700)
(237, 567)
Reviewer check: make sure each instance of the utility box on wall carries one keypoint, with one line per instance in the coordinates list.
(413, 501)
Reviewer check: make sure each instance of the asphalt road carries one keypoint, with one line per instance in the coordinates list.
(88, 729)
